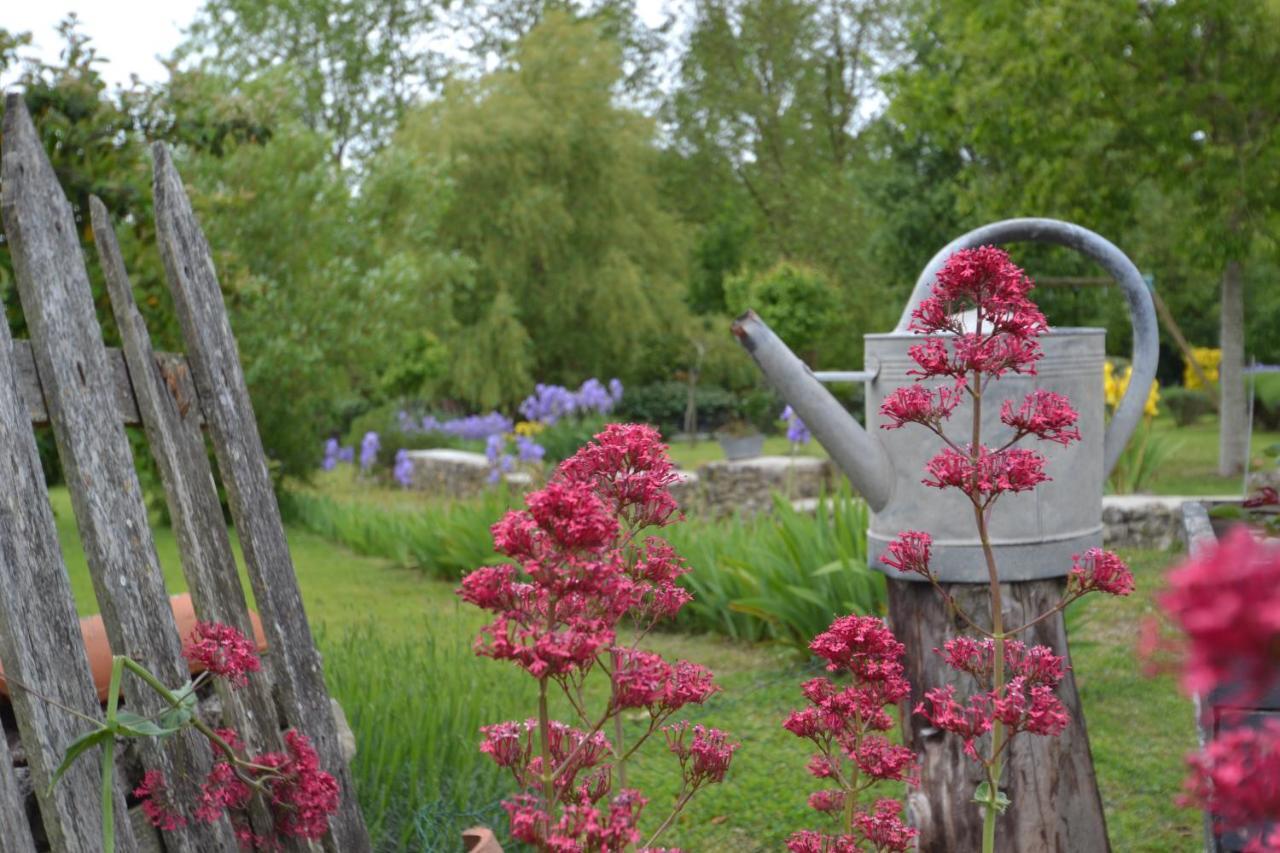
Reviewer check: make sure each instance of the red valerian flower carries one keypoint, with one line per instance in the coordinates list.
(808, 841)
(705, 757)
(1236, 777)
(628, 466)
(883, 829)
(302, 795)
(910, 553)
(1044, 414)
(921, 405)
(827, 801)
(1036, 665)
(1013, 469)
(157, 804)
(1100, 571)
(862, 644)
(1226, 599)
(970, 721)
(223, 651)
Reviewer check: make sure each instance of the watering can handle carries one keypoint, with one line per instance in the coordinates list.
(1141, 311)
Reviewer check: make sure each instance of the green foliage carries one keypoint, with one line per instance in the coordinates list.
(783, 577)
(1186, 404)
(555, 201)
(416, 703)
(1147, 452)
(1266, 398)
(356, 65)
(797, 301)
(444, 540)
(663, 405)
(563, 438)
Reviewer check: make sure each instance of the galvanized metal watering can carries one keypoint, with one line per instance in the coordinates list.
(1035, 534)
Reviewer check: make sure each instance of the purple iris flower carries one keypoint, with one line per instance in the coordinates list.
(368, 450)
(403, 471)
(797, 432)
(331, 451)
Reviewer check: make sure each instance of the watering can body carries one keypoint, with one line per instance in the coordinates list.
(1034, 535)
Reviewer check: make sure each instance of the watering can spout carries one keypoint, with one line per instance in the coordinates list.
(859, 455)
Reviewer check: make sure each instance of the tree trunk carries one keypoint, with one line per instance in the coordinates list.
(1233, 411)
(1050, 780)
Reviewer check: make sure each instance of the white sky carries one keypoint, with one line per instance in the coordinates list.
(131, 34)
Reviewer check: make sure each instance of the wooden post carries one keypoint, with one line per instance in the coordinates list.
(1056, 807)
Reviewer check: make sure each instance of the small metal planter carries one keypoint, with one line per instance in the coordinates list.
(737, 447)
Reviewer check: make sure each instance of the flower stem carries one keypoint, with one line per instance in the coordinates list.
(622, 760)
(997, 634)
(544, 734)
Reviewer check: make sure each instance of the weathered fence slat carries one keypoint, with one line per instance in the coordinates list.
(112, 518)
(40, 641)
(16, 837)
(211, 352)
(177, 445)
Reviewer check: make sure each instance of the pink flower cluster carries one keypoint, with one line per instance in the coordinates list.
(1099, 571)
(1237, 778)
(985, 474)
(222, 651)
(584, 571)
(301, 795)
(704, 758)
(1226, 601)
(843, 721)
(581, 827)
(579, 567)
(880, 830)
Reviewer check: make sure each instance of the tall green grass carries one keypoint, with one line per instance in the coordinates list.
(446, 540)
(416, 707)
(780, 577)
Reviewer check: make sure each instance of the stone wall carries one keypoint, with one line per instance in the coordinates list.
(721, 488)
(1146, 521)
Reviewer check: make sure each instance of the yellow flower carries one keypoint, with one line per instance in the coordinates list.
(1114, 387)
(1208, 358)
(530, 428)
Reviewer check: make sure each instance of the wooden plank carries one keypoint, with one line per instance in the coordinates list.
(177, 379)
(40, 642)
(1051, 781)
(211, 352)
(177, 445)
(111, 515)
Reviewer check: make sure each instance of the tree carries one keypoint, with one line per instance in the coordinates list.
(356, 64)
(1113, 115)
(771, 99)
(554, 199)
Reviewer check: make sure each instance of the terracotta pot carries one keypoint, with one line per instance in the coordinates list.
(480, 840)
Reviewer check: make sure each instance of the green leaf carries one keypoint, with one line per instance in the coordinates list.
(85, 742)
(133, 725)
(834, 567)
(982, 796)
(1227, 511)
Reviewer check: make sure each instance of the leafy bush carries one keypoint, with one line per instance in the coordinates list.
(1186, 404)
(385, 421)
(796, 301)
(563, 438)
(1266, 396)
(663, 405)
(781, 577)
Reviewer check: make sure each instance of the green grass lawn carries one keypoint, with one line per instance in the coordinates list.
(1192, 464)
(397, 656)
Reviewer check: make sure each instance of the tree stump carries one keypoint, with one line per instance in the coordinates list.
(1050, 780)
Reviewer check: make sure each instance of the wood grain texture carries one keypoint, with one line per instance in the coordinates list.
(40, 640)
(211, 352)
(176, 442)
(181, 387)
(111, 516)
(1056, 805)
